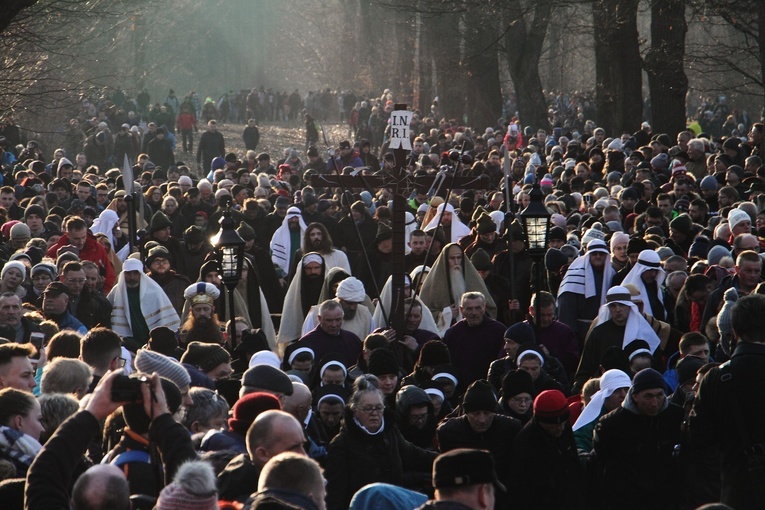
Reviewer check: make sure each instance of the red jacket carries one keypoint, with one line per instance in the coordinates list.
(94, 252)
(186, 121)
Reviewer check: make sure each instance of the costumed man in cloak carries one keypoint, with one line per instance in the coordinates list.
(454, 229)
(286, 240)
(105, 224)
(451, 276)
(202, 324)
(332, 280)
(316, 239)
(384, 306)
(139, 305)
(260, 260)
(619, 322)
(356, 317)
(648, 275)
(210, 272)
(302, 294)
(583, 289)
(158, 262)
(250, 289)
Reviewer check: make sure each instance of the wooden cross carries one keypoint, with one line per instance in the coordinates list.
(400, 184)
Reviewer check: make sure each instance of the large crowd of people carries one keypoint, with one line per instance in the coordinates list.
(620, 369)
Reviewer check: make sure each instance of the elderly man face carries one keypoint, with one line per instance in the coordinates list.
(331, 321)
(132, 279)
(455, 258)
(10, 311)
(473, 310)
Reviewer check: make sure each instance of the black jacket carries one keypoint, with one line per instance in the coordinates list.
(239, 479)
(713, 426)
(549, 476)
(457, 433)
(357, 459)
(632, 447)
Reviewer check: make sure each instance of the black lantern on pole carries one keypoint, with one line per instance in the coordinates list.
(230, 248)
(536, 226)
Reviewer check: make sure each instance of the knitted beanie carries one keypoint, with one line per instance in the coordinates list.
(481, 260)
(20, 231)
(551, 406)
(479, 397)
(250, 407)
(687, 368)
(14, 264)
(434, 353)
(383, 362)
(148, 362)
(194, 488)
(516, 382)
(205, 356)
(724, 321)
(648, 379)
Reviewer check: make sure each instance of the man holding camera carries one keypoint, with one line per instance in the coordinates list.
(105, 485)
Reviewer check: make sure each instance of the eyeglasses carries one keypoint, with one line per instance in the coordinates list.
(418, 417)
(372, 409)
(521, 400)
(120, 362)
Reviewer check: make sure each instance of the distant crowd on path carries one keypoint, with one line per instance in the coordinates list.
(633, 356)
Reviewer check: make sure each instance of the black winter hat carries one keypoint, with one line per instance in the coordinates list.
(682, 223)
(479, 397)
(159, 221)
(205, 356)
(687, 368)
(516, 382)
(383, 362)
(434, 353)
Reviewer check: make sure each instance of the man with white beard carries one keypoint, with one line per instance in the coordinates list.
(451, 276)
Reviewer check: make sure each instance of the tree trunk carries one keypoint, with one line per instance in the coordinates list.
(484, 96)
(444, 36)
(761, 45)
(523, 49)
(617, 65)
(664, 64)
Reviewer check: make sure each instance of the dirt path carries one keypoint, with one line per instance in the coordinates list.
(274, 138)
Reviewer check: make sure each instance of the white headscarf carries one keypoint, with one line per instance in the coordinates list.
(280, 242)
(105, 223)
(637, 327)
(647, 260)
(610, 381)
(386, 298)
(579, 277)
(458, 229)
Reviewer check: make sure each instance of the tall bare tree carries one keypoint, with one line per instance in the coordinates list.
(664, 65)
(618, 65)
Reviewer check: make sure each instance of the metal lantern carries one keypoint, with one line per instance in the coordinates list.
(536, 223)
(230, 246)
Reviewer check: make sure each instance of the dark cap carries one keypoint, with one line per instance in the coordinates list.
(56, 289)
(268, 378)
(464, 466)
